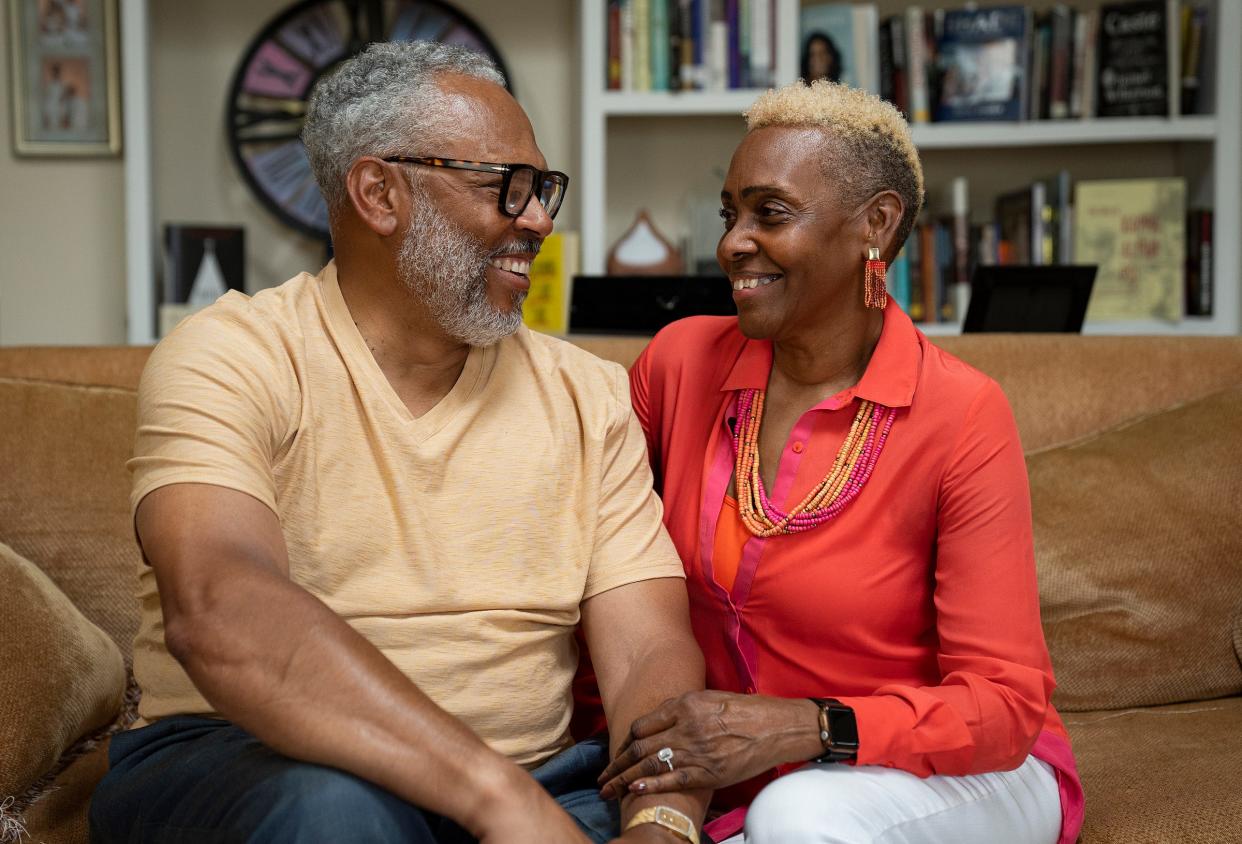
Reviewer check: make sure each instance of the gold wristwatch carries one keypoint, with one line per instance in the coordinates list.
(677, 822)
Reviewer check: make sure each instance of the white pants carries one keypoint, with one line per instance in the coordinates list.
(839, 804)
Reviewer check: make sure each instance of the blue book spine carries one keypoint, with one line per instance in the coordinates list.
(659, 45)
(696, 30)
(899, 280)
(735, 43)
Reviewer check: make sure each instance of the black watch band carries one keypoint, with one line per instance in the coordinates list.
(838, 730)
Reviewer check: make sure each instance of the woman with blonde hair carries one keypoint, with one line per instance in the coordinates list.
(851, 506)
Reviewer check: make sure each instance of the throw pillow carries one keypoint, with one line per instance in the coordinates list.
(61, 677)
(1139, 550)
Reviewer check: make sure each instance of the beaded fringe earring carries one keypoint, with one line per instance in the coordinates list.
(875, 294)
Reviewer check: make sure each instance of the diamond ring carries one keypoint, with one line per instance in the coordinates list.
(665, 755)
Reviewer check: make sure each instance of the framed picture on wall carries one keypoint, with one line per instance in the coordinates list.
(66, 95)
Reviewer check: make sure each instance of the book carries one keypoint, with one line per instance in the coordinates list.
(613, 66)
(214, 256)
(899, 279)
(840, 43)
(761, 24)
(642, 44)
(1135, 231)
(1199, 263)
(979, 60)
(1056, 234)
(917, 57)
(546, 307)
(1015, 220)
(1134, 61)
(1060, 67)
(659, 45)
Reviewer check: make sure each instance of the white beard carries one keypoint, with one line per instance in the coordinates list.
(446, 268)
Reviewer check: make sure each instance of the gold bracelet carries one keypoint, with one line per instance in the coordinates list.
(678, 823)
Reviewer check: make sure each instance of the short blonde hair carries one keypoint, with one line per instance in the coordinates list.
(873, 148)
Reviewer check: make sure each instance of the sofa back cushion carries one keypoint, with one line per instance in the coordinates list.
(1139, 547)
(64, 502)
(61, 677)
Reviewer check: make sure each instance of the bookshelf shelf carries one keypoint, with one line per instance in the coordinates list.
(676, 104)
(1118, 130)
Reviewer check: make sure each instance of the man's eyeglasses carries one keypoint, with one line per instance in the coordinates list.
(521, 182)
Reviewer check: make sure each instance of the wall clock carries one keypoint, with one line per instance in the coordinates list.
(267, 100)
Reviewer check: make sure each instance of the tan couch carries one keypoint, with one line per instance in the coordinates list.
(1135, 453)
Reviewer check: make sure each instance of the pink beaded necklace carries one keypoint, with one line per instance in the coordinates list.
(850, 471)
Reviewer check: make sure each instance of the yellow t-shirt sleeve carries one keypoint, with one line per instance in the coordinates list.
(631, 543)
(216, 405)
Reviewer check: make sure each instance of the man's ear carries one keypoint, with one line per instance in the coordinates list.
(884, 212)
(376, 194)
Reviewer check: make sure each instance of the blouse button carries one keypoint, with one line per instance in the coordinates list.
(797, 448)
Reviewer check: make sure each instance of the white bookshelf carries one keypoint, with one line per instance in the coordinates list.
(1209, 146)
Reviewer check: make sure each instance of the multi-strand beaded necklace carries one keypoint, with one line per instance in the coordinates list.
(850, 471)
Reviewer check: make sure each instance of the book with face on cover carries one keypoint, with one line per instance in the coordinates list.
(1135, 230)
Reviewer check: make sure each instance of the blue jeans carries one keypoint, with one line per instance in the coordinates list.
(187, 779)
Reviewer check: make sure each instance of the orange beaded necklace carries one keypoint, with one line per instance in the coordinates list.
(850, 471)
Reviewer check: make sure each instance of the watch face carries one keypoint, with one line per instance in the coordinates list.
(274, 79)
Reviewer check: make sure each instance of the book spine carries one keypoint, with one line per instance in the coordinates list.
(613, 69)
(1041, 234)
(1059, 75)
(674, 45)
(1173, 62)
(743, 43)
(732, 15)
(628, 80)
(1090, 63)
(900, 275)
(886, 61)
(658, 41)
(697, 37)
(1079, 74)
(686, 60)
(1207, 292)
(642, 45)
(901, 66)
(928, 271)
(866, 46)
(916, 55)
(914, 249)
(760, 43)
(718, 66)
(960, 190)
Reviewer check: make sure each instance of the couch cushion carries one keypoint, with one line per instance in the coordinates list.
(1154, 776)
(64, 503)
(1139, 550)
(60, 816)
(61, 677)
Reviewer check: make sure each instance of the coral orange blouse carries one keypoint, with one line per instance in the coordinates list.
(917, 606)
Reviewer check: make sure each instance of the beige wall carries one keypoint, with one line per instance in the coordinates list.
(62, 242)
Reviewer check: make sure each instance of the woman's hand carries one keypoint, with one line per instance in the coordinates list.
(717, 739)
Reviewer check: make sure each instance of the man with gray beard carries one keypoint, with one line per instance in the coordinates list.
(373, 509)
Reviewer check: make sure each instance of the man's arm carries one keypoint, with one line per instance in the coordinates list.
(644, 653)
(275, 660)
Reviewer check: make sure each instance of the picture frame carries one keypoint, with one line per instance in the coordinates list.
(65, 72)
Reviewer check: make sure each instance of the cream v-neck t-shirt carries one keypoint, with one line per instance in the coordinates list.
(461, 543)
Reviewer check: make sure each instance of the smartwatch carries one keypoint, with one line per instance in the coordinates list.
(838, 730)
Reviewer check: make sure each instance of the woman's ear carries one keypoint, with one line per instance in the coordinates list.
(884, 213)
(375, 194)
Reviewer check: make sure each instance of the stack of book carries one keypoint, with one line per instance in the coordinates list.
(676, 45)
(1154, 257)
(1006, 62)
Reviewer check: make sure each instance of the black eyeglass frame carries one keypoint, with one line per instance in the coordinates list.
(505, 170)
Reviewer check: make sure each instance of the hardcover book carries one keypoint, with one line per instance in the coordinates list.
(1133, 60)
(840, 43)
(979, 58)
(1135, 230)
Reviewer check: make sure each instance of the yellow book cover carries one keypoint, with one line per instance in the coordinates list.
(1135, 231)
(551, 274)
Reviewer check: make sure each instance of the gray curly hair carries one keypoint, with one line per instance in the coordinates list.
(383, 101)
